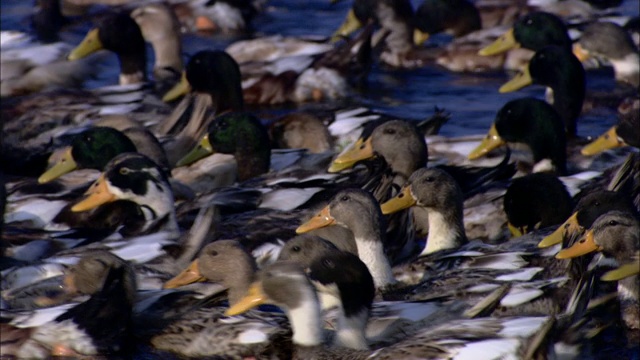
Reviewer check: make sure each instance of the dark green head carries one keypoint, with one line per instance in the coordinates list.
(120, 33)
(536, 30)
(244, 136)
(559, 69)
(460, 17)
(537, 124)
(96, 146)
(216, 73)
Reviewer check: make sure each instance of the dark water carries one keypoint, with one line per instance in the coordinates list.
(473, 99)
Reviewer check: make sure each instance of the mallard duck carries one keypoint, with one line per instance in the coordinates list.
(455, 17)
(532, 31)
(367, 228)
(558, 69)
(611, 42)
(307, 334)
(615, 234)
(119, 33)
(95, 147)
(624, 133)
(99, 326)
(536, 201)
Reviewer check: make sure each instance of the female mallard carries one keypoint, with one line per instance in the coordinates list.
(99, 326)
(611, 42)
(286, 285)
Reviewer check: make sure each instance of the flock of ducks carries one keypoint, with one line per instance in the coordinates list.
(161, 218)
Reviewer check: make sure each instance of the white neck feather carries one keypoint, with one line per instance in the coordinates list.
(351, 330)
(441, 234)
(371, 252)
(627, 67)
(306, 321)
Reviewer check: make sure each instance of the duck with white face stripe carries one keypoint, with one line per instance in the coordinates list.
(135, 178)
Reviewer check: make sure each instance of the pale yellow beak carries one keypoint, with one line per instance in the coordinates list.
(606, 141)
(65, 165)
(403, 200)
(187, 276)
(505, 42)
(90, 44)
(490, 142)
(99, 194)
(320, 220)
(254, 298)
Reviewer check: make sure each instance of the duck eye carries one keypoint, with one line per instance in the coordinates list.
(296, 248)
(222, 125)
(213, 253)
(344, 198)
(389, 131)
(529, 22)
(613, 222)
(327, 263)
(597, 203)
(124, 171)
(429, 179)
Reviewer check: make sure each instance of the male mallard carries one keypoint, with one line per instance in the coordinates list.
(625, 133)
(613, 43)
(99, 326)
(558, 69)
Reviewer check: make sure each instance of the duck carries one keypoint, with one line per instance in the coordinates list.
(457, 18)
(110, 34)
(536, 201)
(99, 326)
(624, 133)
(532, 31)
(226, 17)
(94, 147)
(615, 234)
(558, 69)
(611, 42)
(307, 335)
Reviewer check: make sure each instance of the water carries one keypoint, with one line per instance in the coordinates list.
(472, 99)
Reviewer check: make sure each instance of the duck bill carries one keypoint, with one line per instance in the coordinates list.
(419, 37)
(490, 142)
(581, 247)
(98, 194)
(516, 231)
(606, 141)
(188, 276)
(65, 165)
(580, 52)
(622, 272)
(568, 228)
(506, 41)
(180, 89)
(254, 298)
(350, 24)
(90, 44)
(361, 150)
(202, 150)
(320, 220)
(522, 79)
(403, 200)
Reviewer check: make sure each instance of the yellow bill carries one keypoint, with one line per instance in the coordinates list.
(255, 297)
(361, 150)
(522, 79)
(622, 272)
(320, 220)
(606, 141)
(180, 89)
(569, 227)
(580, 52)
(516, 231)
(90, 44)
(186, 277)
(490, 142)
(403, 200)
(419, 37)
(65, 165)
(98, 194)
(202, 150)
(583, 246)
(350, 24)
(505, 42)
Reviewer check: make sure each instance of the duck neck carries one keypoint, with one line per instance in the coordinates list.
(629, 288)
(306, 321)
(568, 96)
(351, 330)
(167, 54)
(371, 252)
(133, 66)
(252, 162)
(446, 231)
(627, 69)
